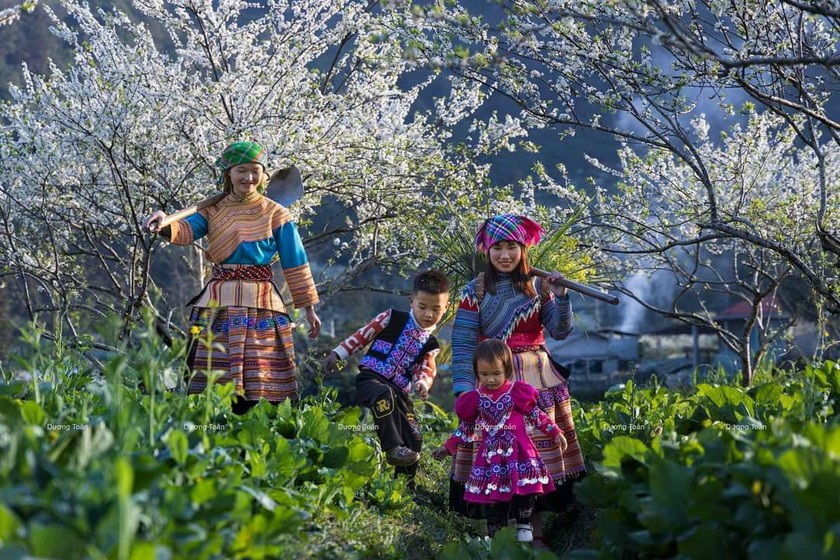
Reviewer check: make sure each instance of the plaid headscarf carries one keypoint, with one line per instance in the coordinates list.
(239, 153)
(508, 227)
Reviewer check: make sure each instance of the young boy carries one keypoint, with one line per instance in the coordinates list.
(401, 356)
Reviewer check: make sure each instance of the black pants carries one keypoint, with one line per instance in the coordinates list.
(520, 507)
(393, 414)
(239, 405)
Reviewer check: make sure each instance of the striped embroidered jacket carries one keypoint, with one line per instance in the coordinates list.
(510, 315)
(251, 231)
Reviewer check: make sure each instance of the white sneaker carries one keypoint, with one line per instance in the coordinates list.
(524, 533)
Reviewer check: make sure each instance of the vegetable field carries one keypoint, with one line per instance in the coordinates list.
(120, 466)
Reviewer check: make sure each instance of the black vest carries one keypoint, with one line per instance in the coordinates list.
(400, 346)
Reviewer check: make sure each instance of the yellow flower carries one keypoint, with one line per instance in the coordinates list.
(195, 330)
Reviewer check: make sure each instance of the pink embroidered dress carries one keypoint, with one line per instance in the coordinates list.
(507, 462)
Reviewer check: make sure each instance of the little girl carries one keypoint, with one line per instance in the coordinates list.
(508, 472)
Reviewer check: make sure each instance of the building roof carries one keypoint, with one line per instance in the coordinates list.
(605, 334)
(742, 309)
(770, 306)
(681, 328)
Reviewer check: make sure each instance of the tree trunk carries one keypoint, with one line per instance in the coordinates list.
(746, 363)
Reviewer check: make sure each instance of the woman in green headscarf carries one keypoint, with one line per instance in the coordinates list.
(241, 327)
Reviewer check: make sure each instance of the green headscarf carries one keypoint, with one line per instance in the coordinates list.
(239, 153)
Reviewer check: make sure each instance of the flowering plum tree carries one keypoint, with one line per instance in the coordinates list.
(665, 79)
(10, 15)
(136, 121)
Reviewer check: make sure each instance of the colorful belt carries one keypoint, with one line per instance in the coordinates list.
(528, 348)
(260, 272)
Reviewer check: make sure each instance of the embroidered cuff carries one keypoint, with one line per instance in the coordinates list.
(341, 352)
(424, 381)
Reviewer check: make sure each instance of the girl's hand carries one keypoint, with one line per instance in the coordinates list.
(314, 322)
(330, 363)
(152, 223)
(556, 289)
(560, 440)
(440, 453)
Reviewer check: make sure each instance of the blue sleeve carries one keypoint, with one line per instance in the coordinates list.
(465, 333)
(198, 224)
(556, 316)
(290, 246)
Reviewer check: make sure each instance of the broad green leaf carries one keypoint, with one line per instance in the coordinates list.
(505, 546)
(348, 417)
(315, 425)
(177, 443)
(32, 413)
(826, 438)
(336, 457)
(621, 448)
(203, 491)
(286, 461)
(257, 464)
(801, 465)
(261, 497)
(767, 394)
(9, 523)
(360, 450)
(670, 484)
(143, 550)
(10, 413)
(55, 541)
(700, 541)
(597, 491)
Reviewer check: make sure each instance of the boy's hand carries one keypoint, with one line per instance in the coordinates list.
(330, 363)
(440, 453)
(560, 440)
(421, 390)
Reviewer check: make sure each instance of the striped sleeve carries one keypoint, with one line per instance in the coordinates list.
(293, 260)
(363, 336)
(465, 331)
(556, 316)
(190, 229)
(426, 370)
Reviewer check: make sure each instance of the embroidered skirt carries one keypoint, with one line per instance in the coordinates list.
(535, 368)
(251, 348)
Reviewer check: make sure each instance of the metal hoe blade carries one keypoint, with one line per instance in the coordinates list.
(285, 186)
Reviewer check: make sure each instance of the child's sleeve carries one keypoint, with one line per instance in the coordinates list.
(555, 314)
(466, 407)
(363, 336)
(465, 331)
(426, 370)
(191, 228)
(293, 259)
(526, 400)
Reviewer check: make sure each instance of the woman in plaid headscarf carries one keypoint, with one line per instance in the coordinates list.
(504, 302)
(241, 328)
